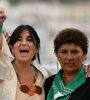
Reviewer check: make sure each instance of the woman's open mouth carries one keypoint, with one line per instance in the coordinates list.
(24, 52)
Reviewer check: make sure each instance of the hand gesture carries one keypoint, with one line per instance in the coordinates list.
(2, 16)
(87, 70)
(6, 34)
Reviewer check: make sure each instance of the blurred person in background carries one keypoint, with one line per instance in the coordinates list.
(70, 83)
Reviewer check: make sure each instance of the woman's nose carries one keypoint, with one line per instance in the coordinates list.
(24, 42)
(69, 56)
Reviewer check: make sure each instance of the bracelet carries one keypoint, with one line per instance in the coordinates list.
(1, 28)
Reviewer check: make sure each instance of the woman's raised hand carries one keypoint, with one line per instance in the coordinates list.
(2, 16)
(6, 34)
(87, 70)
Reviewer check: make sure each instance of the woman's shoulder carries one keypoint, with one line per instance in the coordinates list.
(48, 84)
(88, 81)
(49, 80)
(44, 71)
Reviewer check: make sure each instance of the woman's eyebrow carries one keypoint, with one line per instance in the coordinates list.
(29, 36)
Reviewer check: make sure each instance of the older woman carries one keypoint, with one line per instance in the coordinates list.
(70, 47)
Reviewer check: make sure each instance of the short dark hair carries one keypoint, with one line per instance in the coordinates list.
(71, 35)
(16, 33)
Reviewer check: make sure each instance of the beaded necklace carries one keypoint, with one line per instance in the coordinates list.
(31, 89)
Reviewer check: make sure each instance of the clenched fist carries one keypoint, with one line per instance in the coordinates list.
(2, 16)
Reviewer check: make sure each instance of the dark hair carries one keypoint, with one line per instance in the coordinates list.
(33, 33)
(71, 35)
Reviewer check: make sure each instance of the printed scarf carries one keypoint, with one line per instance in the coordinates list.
(58, 89)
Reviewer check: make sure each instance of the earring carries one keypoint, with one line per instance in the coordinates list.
(13, 54)
(57, 65)
(84, 60)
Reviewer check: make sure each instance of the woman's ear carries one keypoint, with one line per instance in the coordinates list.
(11, 48)
(38, 48)
(84, 58)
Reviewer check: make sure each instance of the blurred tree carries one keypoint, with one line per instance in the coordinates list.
(71, 1)
(18, 1)
(14, 1)
(64, 1)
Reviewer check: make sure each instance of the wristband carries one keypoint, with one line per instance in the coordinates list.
(1, 28)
